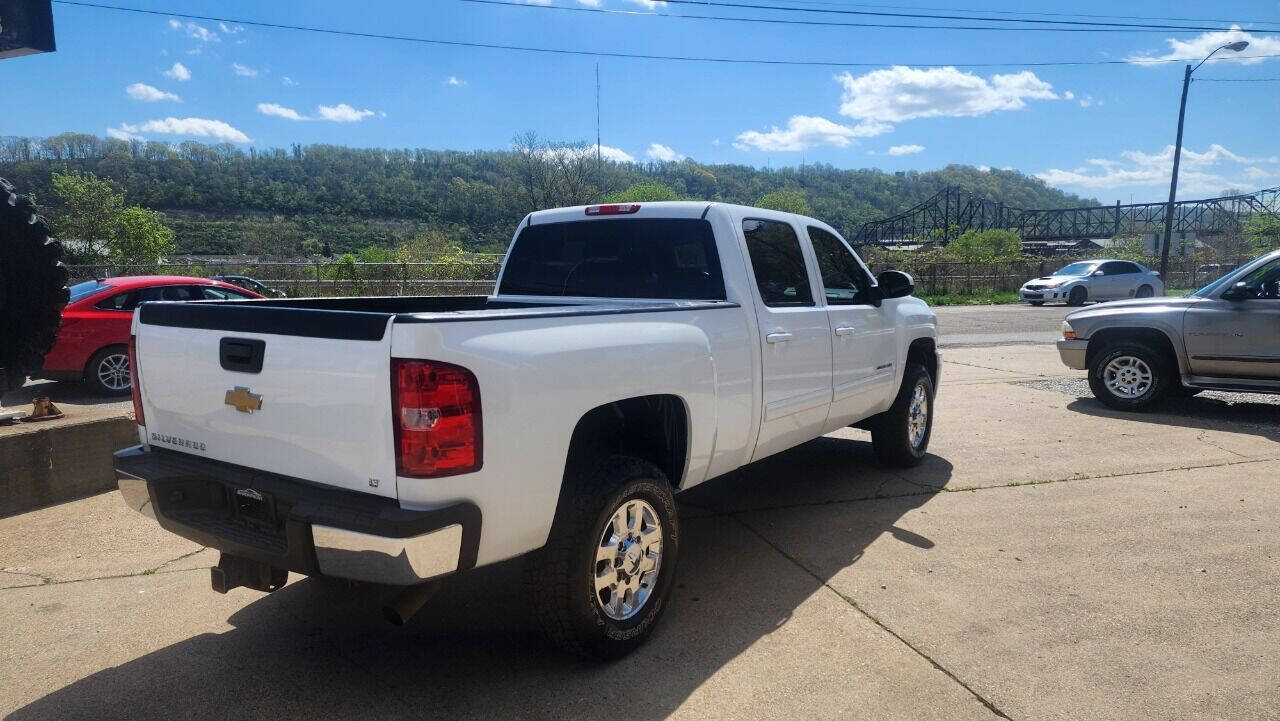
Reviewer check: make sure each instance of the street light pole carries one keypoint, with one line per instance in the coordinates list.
(1177, 157)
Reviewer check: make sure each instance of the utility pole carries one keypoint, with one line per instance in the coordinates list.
(1173, 184)
(597, 121)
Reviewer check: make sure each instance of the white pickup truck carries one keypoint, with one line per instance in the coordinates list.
(629, 352)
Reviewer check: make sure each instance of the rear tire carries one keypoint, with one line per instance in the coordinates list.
(1145, 291)
(573, 577)
(108, 372)
(900, 435)
(1077, 296)
(1130, 376)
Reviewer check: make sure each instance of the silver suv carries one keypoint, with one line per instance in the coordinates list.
(1225, 336)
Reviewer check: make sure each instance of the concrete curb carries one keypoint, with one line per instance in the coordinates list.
(42, 465)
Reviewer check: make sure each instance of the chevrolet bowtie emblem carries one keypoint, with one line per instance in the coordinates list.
(243, 400)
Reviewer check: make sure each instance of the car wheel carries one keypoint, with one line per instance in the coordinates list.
(900, 435)
(1077, 296)
(602, 581)
(1036, 303)
(1130, 376)
(108, 372)
(1144, 292)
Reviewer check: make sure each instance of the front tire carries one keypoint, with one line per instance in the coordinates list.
(1130, 376)
(108, 373)
(1144, 292)
(900, 435)
(602, 581)
(1077, 296)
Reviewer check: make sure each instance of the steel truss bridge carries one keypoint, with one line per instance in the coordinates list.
(953, 211)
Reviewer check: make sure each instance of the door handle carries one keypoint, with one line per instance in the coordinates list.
(778, 337)
(845, 330)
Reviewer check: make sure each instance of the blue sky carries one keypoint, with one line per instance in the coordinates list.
(1103, 130)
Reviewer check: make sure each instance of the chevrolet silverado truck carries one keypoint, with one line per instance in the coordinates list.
(1225, 336)
(629, 352)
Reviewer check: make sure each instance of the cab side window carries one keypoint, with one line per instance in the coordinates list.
(843, 279)
(1264, 282)
(778, 263)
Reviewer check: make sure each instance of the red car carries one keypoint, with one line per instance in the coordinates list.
(93, 342)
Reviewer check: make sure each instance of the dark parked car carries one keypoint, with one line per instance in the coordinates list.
(248, 283)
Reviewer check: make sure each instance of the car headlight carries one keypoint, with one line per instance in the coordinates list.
(1068, 333)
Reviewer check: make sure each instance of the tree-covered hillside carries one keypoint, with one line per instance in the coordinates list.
(220, 199)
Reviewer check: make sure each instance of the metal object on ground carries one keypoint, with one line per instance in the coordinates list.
(234, 571)
(43, 409)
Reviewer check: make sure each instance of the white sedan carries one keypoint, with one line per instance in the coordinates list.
(1093, 280)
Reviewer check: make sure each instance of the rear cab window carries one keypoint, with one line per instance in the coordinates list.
(777, 262)
(655, 258)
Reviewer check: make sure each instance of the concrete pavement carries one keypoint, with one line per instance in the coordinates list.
(1050, 560)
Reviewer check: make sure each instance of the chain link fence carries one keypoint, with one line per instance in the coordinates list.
(328, 278)
(477, 275)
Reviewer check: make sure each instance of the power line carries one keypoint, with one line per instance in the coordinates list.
(821, 23)
(612, 54)
(926, 16)
(1025, 12)
(1236, 80)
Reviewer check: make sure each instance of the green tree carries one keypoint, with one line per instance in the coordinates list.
(986, 245)
(87, 213)
(1263, 231)
(787, 200)
(139, 237)
(375, 254)
(646, 192)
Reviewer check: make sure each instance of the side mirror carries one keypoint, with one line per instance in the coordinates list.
(1239, 291)
(1098, 272)
(895, 284)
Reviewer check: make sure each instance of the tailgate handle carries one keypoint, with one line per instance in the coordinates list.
(242, 355)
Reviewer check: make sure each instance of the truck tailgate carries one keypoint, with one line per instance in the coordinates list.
(317, 409)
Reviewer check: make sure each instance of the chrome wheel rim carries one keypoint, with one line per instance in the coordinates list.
(918, 416)
(113, 372)
(1127, 376)
(628, 559)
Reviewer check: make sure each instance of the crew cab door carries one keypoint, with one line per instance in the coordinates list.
(795, 338)
(863, 350)
(1238, 338)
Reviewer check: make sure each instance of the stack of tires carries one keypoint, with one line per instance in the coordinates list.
(33, 288)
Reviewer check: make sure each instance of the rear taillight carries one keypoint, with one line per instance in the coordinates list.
(135, 381)
(436, 409)
(613, 209)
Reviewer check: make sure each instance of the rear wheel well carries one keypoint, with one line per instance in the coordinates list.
(654, 428)
(1101, 340)
(924, 352)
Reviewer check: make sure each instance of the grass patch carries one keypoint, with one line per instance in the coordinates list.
(991, 298)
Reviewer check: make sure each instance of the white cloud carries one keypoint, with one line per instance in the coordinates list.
(279, 111)
(149, 94)
(906, 149)
(1201, 45)
(244, 71)
(1069, 95)
(663, 153)
(178, 72)
(1201, 172)
(342, 113)
(196, 31)
(806, 131)
(1086, 101)
(649, 4)
(228, 30)
(590, 3)
(455, 81)
(617, 155)
(903, 93)
(715, 142)
(119, 134)
(196, 127)
(286, 80)
(984, 168)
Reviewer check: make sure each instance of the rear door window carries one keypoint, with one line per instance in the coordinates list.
(210, 292)
(671, 258)
(119, 301)
(777, 262)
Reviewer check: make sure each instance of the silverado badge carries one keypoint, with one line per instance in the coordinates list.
(243, 400)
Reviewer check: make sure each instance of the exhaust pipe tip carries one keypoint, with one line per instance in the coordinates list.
(401, 609)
